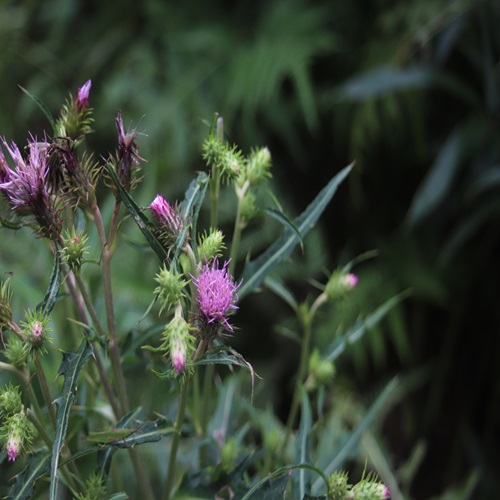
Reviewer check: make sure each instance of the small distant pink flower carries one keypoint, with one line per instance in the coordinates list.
(82, 99)
(166, 215)
(13, 450)
(351, 280)
(216, 293)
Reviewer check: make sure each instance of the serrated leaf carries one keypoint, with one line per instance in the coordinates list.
(70, 369)
(53, 289)
(24, 486)
(256, 270)
(280, 472)
(339, 345)
(140, 219)
(44, 109)
(351, 442)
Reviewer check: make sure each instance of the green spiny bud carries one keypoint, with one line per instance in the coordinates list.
(16, 352)
(74, 248)
(258, 166)
(35, 329)
(339, 284)
(321, 371)
(370, 488)
(228, 159)
(179, 342)
(170, 287)
(338, 486)
(18, 433)
(10, 400)
(211, 244)
(95, 488)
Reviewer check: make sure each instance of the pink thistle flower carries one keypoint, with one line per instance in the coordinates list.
(166, 215)
(13, 449)
(82, 99)
(216, 293)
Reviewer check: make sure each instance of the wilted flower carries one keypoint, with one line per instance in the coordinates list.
(82, 99)
(216, 293)
(166, 215)
(26, 186)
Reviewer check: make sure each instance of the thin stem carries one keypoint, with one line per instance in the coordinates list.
(215, 179)
(238, 227)
(169, 483)
(44, 386)
(307, 319)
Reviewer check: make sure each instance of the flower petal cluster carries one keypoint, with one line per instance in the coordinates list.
(216, 293)
(82, 99)
(166, 215)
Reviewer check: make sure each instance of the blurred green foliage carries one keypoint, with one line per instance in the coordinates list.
(410, 90)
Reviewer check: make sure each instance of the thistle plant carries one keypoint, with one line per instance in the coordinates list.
(65, 431)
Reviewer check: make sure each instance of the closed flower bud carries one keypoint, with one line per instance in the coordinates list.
(338, 486)
(10, 400)
(166, 215)
(18, 433)
(82, 98)
(211, 244)
(370, 489)
(74, 248)
(179, 342)
(16, 352)
(321, 371)
(35, 329)
(170, 287)
(258, 166)
(340, 284)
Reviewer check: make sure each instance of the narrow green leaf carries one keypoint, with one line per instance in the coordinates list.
(10, 224)
(339, 345)
(53, 288)
(256, 270)
(349, 444)
(24, 486)
(137, 214)
(281, 471)
(281, 291)
(285, 220)
(70, 369)
(42, 107)
(190, 209)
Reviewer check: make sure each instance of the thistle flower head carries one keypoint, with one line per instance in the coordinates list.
(13, 449)
(26, 186)
(216, 294)
(82, 98)
(35, 329)
(166, 215)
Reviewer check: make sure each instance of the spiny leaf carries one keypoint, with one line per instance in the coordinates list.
(25, 481)
(70, 369)
(256, 270)
(140, 219)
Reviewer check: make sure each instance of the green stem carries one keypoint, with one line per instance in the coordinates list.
(238, 227)
(44, 386)
(169, 483)
(307, 319)
(215, 179)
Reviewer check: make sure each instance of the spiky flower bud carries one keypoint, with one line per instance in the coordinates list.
(35, 329)
(171, 284)
(228, 159)
(74, 248)
(338, 486)
(248, 210)
(95, 488)
(339, 284)
(16, 352)
(211, 244)
(82, 98)
(18, 433)
(10, 400)
(167, 215)
(370, 488)
(258, 166)
(179, 342)
(216, 295)
(321, 371)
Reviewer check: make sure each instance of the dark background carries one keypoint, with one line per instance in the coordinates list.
(410, 90)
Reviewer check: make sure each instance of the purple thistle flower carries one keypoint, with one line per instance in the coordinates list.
(13, 449)
(178, 356)
(26, 186)
(216, 293)
(82, 99)
(166, 215)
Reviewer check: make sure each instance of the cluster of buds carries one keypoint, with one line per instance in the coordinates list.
(369, 488)
(17, 430)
